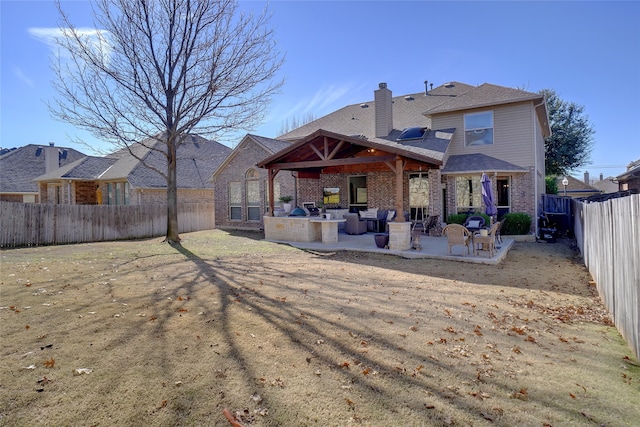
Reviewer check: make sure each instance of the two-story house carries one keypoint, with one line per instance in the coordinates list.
(423, 151)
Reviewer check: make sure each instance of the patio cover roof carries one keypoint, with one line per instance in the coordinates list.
(324, 149)
(328, 152)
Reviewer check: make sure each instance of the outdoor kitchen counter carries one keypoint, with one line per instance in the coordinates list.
(328, 228)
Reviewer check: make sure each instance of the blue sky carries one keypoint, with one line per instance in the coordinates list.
(338, 52)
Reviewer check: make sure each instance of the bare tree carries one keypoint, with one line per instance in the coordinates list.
(159, 70)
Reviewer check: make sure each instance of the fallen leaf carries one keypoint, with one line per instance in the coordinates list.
(49, 363)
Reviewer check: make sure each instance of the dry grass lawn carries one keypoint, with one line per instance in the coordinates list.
(139, 333)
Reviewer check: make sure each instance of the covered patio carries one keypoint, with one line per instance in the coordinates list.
(431, 247)
(325, 159)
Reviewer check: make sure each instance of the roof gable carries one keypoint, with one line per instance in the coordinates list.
(19, 167)
(269, 145)
(483, 96)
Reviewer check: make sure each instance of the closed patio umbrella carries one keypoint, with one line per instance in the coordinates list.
(487, 195)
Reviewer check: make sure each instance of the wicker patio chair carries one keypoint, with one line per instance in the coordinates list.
(457, 235)
(486, 243)
(354, 225)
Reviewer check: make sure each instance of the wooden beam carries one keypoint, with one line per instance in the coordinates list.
(326, 148)
(272, 175)
(336, 162)
(335, 150)
(315, 150)
(399, 169)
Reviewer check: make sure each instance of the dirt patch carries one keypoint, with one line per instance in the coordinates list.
(139, 333)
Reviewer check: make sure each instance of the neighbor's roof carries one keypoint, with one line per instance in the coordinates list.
(20, 166)
(88, 168)
(359, 119)
(633, 171)
(197, 159)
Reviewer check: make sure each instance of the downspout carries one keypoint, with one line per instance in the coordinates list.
(535, 160)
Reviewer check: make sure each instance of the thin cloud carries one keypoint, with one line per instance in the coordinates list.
(321, 101)
(99, 39)
(23, 77)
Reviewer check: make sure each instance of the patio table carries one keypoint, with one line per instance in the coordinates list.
(329, 228)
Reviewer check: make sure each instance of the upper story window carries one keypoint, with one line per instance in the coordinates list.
(478, 129)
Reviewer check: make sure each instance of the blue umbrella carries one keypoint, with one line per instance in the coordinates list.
(487, 195)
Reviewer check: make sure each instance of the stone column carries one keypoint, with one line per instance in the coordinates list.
(400, 236)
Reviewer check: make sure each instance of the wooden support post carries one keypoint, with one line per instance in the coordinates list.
(399, 189)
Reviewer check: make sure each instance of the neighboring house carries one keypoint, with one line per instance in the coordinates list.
(605, 185)
(19, 167)
(122, 178)
(576, 189)
(241, 187)
(425, 150)
(630, 180)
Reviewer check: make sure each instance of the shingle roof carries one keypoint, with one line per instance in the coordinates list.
(197, 158)
(88, 168)
(483, 96)
(270, 146)
(20, 166)
(471, 163)
(359, 119)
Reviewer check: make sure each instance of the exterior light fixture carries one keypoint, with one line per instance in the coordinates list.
(565, 182)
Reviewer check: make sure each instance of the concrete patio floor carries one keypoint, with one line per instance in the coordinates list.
(432, 247)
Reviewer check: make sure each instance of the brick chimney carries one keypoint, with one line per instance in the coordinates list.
(51, 158)
(586, 178)
(384, 111)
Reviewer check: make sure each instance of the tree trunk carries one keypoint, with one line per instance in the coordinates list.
(172, 195)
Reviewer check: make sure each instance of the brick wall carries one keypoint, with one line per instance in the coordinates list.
(245, 157)
(85, 192)
(522, 197)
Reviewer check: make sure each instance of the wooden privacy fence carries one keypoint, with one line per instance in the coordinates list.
(29, 224)
(608, 235)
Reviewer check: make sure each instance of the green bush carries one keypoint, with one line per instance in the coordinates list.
(461, 218)
(516, 223)
(456, 219)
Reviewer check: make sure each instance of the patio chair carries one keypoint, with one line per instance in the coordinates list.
(354, 225)
(432, 221)
(486, 243)
(457, 235)
(474, 223)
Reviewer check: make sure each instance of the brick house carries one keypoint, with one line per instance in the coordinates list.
(121, 178)
(20, 166)
(241, 187)
(630, 179)
(424, 151)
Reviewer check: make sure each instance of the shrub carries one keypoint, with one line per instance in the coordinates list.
(456, 219)
(461, 218)
(516, 223)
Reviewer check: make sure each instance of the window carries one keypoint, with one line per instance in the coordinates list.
(110, 196)
(126, 193)
(468, 193)
(478, 129)
(235, 201)
(418, 195)
(253, 195)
